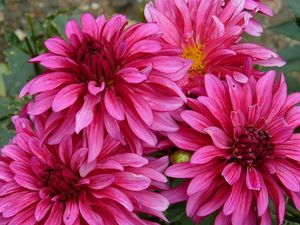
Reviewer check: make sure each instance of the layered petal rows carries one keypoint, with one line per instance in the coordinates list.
(111, 77)
(208, 33)
(248, 153)
(119, 108)
(43, 184)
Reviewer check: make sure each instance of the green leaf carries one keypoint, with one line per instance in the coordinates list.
(294, 5)
(292, 57)
(175, 212)
(3, 72)
(289, 29)
(5, 135)
(21, 70)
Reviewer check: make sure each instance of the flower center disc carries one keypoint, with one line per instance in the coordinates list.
(252, 147)
(61, 183)
(196, 55)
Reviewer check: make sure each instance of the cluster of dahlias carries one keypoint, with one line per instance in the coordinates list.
(112, 95)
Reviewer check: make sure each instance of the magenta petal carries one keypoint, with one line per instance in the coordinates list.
(183, 170)
(42, 209)
(195, 120)
(101, 181)
(232, 172)
(132, 75)
(141, 130)
(129, 159)
(85, 115)
(91, 217)
(95, 136)
(114, 105)
(41, 103)
(207, 153)
(253, 179)
(219, 138)
(131, 181)
(67, 96)
(234, 198)
(56, 214)
(163, 122)
(89, 25)
(288, 179)
(58, 46)
(72, 28)
(71, 212)
(116, 195)
(263, 198)
(150, 199)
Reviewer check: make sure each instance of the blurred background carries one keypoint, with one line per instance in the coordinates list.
(25, 24)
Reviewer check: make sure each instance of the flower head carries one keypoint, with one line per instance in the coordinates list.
(110, 77)
(53, 184)
(244, 151)
(208, 32)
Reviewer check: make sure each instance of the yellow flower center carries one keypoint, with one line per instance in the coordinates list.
(180, 156)
(196, 55)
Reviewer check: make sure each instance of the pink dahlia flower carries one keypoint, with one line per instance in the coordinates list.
(208, 33)
(111, 77)
(52, 184)
(244, 151)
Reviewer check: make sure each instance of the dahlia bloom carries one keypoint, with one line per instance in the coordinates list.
(53, 184)
(244, 151)
(108, 77)
(209, 33)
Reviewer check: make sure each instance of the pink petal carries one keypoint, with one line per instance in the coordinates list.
(91, 217)
(232, 173)
(42, 209)
(163, 122)
(85, 115)
(56, 214)
(41, 103)
(150, 199)
(95, 135)
(264, 88)
(113, 105)
(262, 199)
(72, 28)
(132, 75)
(50, 81)
(131, 181)
(141, 130)
(58, 46)
(233, 200)
(219, 137)
(195, 120)
(129, 159)
(188, 139)
(116, 195)
(77, 158)
(71, 212)
(101, 181)
(253, 179)
(183, 170)
(208, 153)
(67, 96)
(89, 25)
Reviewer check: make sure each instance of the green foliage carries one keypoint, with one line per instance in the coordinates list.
(291, 29)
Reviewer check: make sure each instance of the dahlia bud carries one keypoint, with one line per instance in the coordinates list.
(180, 156)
